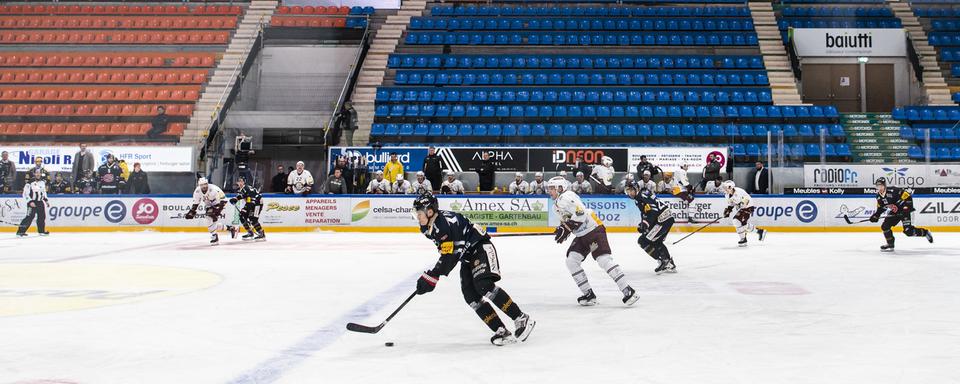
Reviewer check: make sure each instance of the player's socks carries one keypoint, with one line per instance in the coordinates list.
(504, 302)
(487, 314)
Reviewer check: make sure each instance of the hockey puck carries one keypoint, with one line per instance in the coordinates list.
(388, 344)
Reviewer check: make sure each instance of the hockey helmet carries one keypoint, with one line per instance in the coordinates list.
(606, 161)
(558, 182)
(424, 201)
(728, 186)
(631, 185)
(202, 182)
(881, 181)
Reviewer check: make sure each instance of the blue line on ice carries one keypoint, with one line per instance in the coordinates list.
(275, 367)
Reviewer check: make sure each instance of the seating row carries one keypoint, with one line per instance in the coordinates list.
(926, 113)
(940, 39)
(785, 24)
(577, 38)
(939, 134)
(314, 22)
(26, 9)
(937, 153)
(99, 94)
(21, 110)
(86, 76)
(321, 10)
(937, 12)
(837, 12)
(574, 61)
(580, 77)
(633, 111)
(576, 95)
(114, 37)
(85, 129)
(106, 59)
(950, 54)
(565, 10)
(118, 22)
(833, 1)
(945, 25)
(736, 131)
(581, 24)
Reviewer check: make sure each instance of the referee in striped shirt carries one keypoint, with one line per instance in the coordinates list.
(35, 193)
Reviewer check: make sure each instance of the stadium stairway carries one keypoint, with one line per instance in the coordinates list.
(374, 67)
(782, 82)
(875, 138)
(257, 13)
(934, 85)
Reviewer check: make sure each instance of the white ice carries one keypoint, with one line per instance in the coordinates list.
(797, 308)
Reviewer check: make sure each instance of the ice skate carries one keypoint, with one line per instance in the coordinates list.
(502, 337)
(587, 299)
(524, 326)
(630, 296)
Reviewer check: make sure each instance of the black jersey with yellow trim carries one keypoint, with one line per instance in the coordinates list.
(902, 198)
(454, 235)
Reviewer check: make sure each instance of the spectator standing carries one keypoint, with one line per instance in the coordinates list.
(109, 176)
(402, 186)
(346, 172)
(59, 186)
(393, 168)
(711, 171)
(8, 173)
(451, 186)
(279, 182)
(379, 185)
(159, 124)
(487, 172)
(86, 184)
(761, 180)
(518, 186)
(432, 167)
(580, 166)
(336, 185)
(82, 162)
(124, 175)
(138, 182)
(645, 165)
(422, 185)
(300, 181)
(581, 186)
(348, 123)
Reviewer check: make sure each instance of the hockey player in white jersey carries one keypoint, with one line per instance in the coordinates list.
(213, 200)
(590, 237)
(537, 186)
(646, 182)
(378, 185)
(518, 186)
(739, 200)
(421, 185)
(627, 180)
(300, 181)
(580, 186)
(401, 186)
(603, 175)
(451, 186)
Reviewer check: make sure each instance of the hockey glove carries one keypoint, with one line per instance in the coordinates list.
(643, 227)
(561, 234)
(728, 211)
(427, 282)
(190, 215)
(233, 200)
(875, 217)
(893, 208)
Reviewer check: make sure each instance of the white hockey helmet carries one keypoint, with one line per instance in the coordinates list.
(419, 173)
(728, 186)
(646, 173)
(606, 161)
(630, 176)
(400, 176)
(558, 182)
(538, 174)
(202, 181)
(519, 175)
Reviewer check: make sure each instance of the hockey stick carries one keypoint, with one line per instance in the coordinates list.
(845, 217)
(367, 329)
(699, 229)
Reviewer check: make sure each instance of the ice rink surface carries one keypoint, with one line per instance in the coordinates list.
(168, 308)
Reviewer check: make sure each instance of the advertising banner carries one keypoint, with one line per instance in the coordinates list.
(500, 212)
(864, 175)
(382, 212)
(468, 159)
(376, 158)
(671, 158)
(814, 42)
(555, 159)
(60, 159)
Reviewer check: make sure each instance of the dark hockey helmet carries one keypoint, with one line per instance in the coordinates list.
(881, 181)
(424, 201)
(631, 185)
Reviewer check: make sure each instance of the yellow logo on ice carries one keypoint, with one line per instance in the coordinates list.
(31, 289)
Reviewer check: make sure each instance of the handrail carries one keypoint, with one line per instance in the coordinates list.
(914, 57)
(349, 83)
(225, 95)
(792, 54)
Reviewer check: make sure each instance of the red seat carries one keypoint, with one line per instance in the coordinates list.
(43, 129)
(58, 129)
(86, 129)
(28, 129)
(102, 129)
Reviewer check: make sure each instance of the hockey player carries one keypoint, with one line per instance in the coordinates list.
(458, 240)
(35, 193)
(250, 212)
(300, 181)
(537, 186)
(213, 200)
(627, 180)
(686, 190)
(590, 237)
(451, 186)
(401, 186)
(60, 186)
(379, 185)
(647, 183)
(897, 203)
(603, 175)
(422, 184)
(655, 223)
(109, 175)
(580, 186)
(518, 186)
(739, 200)
(85, 184)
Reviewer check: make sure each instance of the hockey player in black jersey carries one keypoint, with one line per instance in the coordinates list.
(655, 223)
(458, 240)
(250, 212)
(898, 205)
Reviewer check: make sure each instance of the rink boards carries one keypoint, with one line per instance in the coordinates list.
(501, 213)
